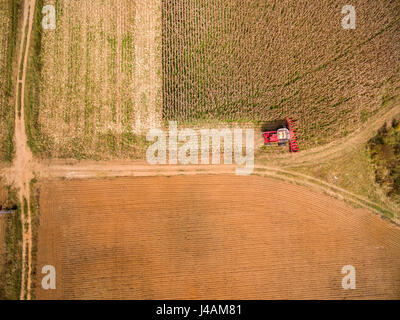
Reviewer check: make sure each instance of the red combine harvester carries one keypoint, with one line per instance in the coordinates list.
(282, 136)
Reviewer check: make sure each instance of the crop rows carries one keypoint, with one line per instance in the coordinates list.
(80, 100)
(266, 60)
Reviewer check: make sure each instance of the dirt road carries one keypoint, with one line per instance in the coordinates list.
(23, 165)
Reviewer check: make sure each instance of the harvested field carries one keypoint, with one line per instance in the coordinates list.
(97, 91)
(267, 60)
(9, 14)
(209, 237)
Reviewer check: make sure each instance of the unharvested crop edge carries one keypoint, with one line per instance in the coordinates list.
(34, 206)
(7, 145)
(10, 284)
(32, 87)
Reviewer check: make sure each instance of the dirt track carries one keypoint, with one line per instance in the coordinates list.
(210, 237)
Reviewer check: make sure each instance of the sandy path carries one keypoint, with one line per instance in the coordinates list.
(23, 165)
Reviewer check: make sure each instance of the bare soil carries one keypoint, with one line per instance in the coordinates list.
(214, 237)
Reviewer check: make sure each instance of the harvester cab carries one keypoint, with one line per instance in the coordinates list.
(283, 135)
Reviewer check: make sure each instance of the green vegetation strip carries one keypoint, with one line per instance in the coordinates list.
(349, 197)
(7, 110)
(10, 277)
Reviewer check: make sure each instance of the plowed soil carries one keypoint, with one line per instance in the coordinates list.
(210, 237)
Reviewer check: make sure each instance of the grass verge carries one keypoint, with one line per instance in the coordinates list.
(10, 284)
(7, 110)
